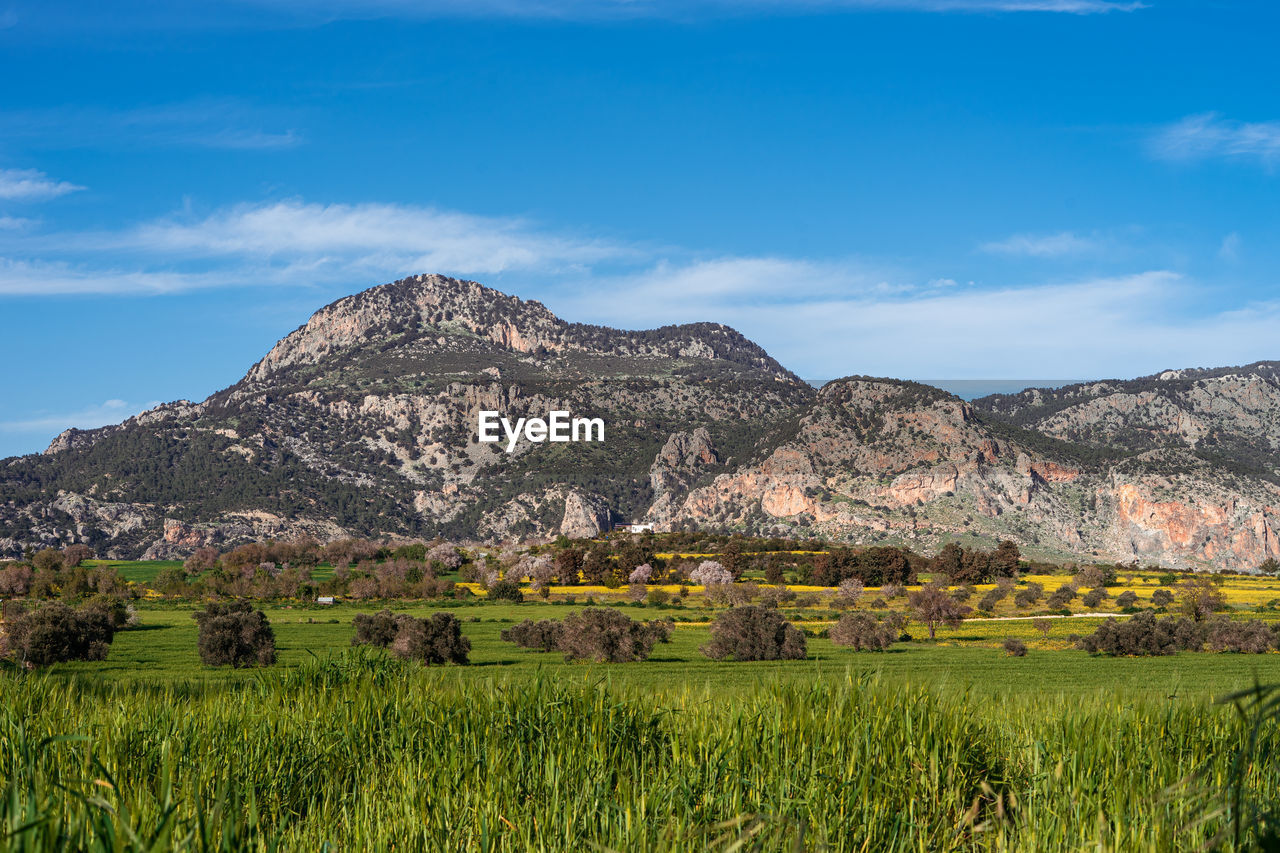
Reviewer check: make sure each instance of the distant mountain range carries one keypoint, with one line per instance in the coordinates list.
(363, 422)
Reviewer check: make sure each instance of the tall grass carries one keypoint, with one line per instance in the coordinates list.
(357, 751)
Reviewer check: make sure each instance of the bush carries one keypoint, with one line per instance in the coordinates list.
(1061, 597)
(1144, 634)
(754, 633)
(606, 635)
(1126, 599)
(437, 639)
(1162, 598)
(864, 632)
(1015, 647)
(541, 636)
(1245, 637)
(893, 590)
(113, 607)
(657, 597)
(55, 633)
(376, 629)
(1094, 597)
(235, 634)
(1028, 596)
(506, 590)
(1044, 626)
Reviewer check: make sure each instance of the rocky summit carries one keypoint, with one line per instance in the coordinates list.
(364, 422)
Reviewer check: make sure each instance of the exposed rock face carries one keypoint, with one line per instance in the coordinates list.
(363, 422)
(583, 518)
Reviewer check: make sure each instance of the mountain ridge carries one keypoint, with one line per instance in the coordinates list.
(362, 422)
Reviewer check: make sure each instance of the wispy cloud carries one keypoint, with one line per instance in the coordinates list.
(1209, 135)
(32, 185)
(607, 9)
(290, 243)
(208, 123)
(15, 223)
(108, 412)
(1124, 325)
(1043, 245)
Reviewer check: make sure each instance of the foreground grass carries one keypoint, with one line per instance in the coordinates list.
(360, 752)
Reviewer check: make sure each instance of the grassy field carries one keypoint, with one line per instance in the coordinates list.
(951, 745)
(163, 649)
(357, 751)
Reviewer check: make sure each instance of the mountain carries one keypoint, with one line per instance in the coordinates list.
(364, 421)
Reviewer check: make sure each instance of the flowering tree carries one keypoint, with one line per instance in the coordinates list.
(710, 572)
(641, 574)
(849, 591)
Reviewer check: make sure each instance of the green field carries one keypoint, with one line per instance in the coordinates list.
(163, 649)
(951, 745)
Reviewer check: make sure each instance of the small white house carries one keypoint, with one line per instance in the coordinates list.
(635, 527)
(325, 599)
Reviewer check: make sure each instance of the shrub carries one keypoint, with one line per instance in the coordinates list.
(1162, 598)
(1061, 597)
(506, 590)
(1126, 599)
(1015, 647)
(235, 634)
(754, 633)
(607, 635)
(376, 629)
(1044, 626)
(1247, 637)
(1144, 634)
(437, 639)
(893, 590)
(541, 636)
(1096, 576)
(55, 633)
(114, 608)
(657, 597)
(864, 632)
(1029, 595)
(1094, 597)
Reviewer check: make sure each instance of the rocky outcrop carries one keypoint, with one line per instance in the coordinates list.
(684, 457)
(583, 517)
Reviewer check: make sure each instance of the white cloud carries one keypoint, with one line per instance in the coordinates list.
(1230, 248)
(108, 412)
(1208, 135)
(15, 223)
(223, 123)
(32, 185)
(1119, 326)
(1043, 245)
(609, 9)
(52, 278)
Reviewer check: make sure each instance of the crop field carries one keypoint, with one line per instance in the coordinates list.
(950, 744)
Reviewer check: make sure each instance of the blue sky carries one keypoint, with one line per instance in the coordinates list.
(916, 188)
